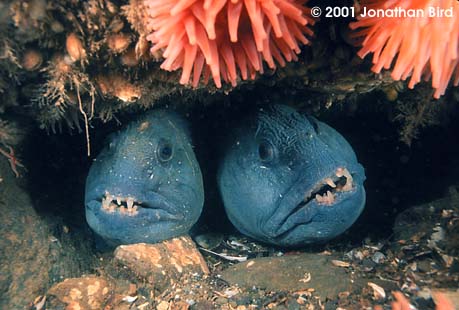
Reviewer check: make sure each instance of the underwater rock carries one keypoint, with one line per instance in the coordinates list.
(451, 296)
(30, 257)
(293, 272)
(209, 240)
(88, 293)
(146, 185)
(288, 179)
(431, 227)
(162, 263)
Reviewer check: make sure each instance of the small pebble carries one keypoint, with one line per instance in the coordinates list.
(378, 257)
(163, 305)
(209, 240)
(221, 300)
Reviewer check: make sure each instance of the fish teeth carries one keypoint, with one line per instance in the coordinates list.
(330, 197)
(130, 203)
(112, 207)
(105, 203)
(132, 211)
(327, 198)
(111, 203)
(330, 182)
(318, 198)
(343, 172)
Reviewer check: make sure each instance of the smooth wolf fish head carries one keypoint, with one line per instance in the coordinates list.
(146, 184)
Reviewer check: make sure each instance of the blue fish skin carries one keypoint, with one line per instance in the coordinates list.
(151, 169)
(275, 163)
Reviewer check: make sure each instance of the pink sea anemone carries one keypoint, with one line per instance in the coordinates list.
(424, 45)
(226, 38)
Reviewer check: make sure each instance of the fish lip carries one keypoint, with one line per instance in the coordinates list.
(293, 209)
(154, 202)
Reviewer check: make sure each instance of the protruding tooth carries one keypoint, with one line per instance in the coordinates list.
(339, 172)
(330, 182)
(327, 198)
(129, 203)
(112, 208)
(105, 203)
(349, 181)
(133, 211)
(319, 198)
(108, 196)
(330, 197)
(118, 200)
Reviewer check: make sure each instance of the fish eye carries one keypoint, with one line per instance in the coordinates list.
(165, 151)
(266, 151)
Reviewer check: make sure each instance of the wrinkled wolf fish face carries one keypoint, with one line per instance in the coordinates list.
(289, 180)
(146, 185)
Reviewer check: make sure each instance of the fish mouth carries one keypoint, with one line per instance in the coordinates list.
(326, 191)
(123, 205)
(130, 206)
(301, 207)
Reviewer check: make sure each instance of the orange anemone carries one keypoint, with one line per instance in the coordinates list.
(423, 36)
(226, 38)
